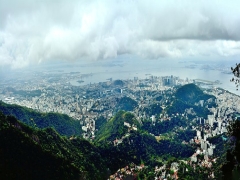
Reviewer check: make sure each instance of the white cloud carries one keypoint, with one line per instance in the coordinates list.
(74, 30)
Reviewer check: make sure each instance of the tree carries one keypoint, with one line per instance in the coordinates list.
(236, 73)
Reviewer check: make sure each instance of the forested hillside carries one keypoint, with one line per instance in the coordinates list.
(61, 122)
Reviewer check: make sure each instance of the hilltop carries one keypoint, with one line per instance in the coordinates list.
(125, 104)
(190, 96)
(191, 93)
(127, 136)
(117, 126)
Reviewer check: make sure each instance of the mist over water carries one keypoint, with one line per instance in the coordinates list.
(183, 73)
(125, 67)
(128, 68)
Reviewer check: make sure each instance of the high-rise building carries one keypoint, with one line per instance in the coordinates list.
(153, 119)
(211, 119)
(168, 80)
(219, 124)
(194, 157)
(205, 137)
(206, 157)
(204, 145)
(199, 134)
(210, 151)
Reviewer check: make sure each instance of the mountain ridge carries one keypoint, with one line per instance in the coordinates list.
(64, 124)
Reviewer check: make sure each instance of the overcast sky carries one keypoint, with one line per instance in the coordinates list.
(32, 32)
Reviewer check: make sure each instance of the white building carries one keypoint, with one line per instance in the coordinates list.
(204, 144)
(153, 119)
(84, 128)
(210, 151)
(194, 158)
(126, 124)
(199, 134)
(211, 120)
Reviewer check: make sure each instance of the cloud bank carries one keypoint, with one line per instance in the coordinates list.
(32, 32)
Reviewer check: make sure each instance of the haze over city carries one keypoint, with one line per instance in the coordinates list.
(119, 89)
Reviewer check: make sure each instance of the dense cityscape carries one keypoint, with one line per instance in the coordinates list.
(119, 90)
(87, 103)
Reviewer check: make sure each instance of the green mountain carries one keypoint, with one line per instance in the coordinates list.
(115, 127)
(153, 109)
(61, 122)
(188, 96)
(32, 153)
(27, 153)
(125, 104)
(118, 83)
(191, 93)
(231, 168)
(142, 148)
(136, 145)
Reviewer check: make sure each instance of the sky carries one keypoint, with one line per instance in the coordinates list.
(33, 32)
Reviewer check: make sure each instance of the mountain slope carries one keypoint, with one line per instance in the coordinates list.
(115, 127)
(188, 96)
(191, 93)
(31, 153)
(61, 122)
(125, 104)
(27, 153)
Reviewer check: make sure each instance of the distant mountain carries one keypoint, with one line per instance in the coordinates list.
(118, 83)
(153, 109)
(189, 96)
(125, 104)
(191, 93)
(62, 123)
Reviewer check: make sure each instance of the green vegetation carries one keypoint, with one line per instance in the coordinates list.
(118, 83)
(154, 109)
(35, 148)
(142, 148)
(139, 146)
(115, 128)
(231, 168)
(220, 144)
(191, 93)
(100, 122)
(125, 104)
(158, 98)
(61, 122)
(165, 126)
(27, 153)
(185, 135)
(47, 153)
(187, 96)
(179, 106)
(235, 131)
